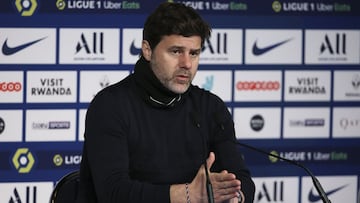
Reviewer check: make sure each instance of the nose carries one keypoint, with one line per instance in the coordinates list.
(186, 61)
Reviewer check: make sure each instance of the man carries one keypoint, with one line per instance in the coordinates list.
(148, 136)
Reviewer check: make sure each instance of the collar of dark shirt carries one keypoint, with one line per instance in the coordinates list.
(151, 89)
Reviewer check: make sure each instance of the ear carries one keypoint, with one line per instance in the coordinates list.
(146, 50)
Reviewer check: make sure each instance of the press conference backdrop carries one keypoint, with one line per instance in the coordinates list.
(289, 72)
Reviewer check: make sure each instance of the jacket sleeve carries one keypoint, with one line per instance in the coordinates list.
(107, 156)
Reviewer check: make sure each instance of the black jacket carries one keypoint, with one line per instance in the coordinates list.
(135, 147)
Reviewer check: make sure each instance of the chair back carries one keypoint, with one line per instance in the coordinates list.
(66, 189)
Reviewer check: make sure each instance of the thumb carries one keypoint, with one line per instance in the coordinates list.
(210, 160)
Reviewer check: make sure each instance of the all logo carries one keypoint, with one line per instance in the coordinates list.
(25, 192)
(335, 45)
(94, 45)
(272, 193)
(89, 46)
(30, 191)
(276, 190)
(224, 47)
(220, 45)
(332, 47)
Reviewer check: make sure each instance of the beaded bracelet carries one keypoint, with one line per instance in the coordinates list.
(187, 193)
(241, 198)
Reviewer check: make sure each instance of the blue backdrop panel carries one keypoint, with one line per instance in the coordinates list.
(44, 92)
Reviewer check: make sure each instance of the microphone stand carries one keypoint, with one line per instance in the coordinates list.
(316, 182)
(209, 189)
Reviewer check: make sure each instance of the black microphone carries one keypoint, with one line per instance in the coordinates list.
(220, 121)
(209, 189)
(316, 182)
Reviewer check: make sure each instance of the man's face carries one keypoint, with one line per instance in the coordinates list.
(175, 61)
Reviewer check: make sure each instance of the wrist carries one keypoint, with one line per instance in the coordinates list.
(177, 193)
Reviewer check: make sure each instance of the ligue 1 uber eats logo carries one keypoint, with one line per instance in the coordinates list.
(26, 7)
(23, 160)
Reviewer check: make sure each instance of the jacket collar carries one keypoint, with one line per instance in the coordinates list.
(150, 88)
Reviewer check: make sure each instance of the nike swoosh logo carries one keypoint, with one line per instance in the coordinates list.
(6, 50)
(315, 197)
(133, 49)
(259, 51)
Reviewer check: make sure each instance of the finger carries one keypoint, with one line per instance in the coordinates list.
(224, 197)
(223, 176)
(210, 160)
(224, 171)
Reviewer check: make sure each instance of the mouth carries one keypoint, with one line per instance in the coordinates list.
(182, 78)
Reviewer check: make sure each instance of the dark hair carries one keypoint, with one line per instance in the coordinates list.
(174, 18)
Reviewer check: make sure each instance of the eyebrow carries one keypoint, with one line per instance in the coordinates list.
(182, 47)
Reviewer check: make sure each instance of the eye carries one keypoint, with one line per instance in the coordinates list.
(175, 51)
(194, 54)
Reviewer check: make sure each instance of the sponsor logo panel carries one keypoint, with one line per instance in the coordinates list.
(28, 46)
(11, 125)
(50, 125)
(337, 189)
(277, 46)
(91, 82)
(23, 160)
(89, 46)
(306, 123)
(307, 85)
(276, 189)
(257, 123)
(109, 6)
(311, 8)
(223, 47)
(218, 82)
(26, 192)
(11, 86)
(339, 155)
(131, 45)
(82, 115)
(258, 85)
(51, 86)
(26, 8)
(66, 159)
(332, 47)
(346, 85)
(346, 122)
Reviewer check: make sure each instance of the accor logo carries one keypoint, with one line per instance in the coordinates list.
(10, 86)
(258, 85)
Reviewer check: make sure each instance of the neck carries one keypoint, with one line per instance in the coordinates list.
(151, 88)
